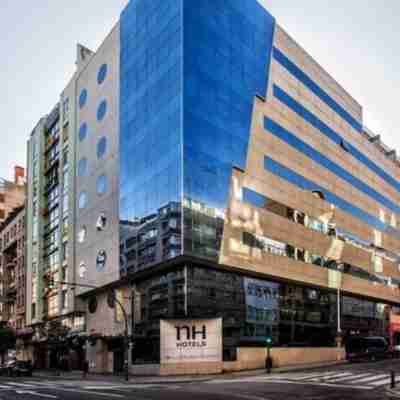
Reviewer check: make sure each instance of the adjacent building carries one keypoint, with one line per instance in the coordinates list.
(12, 193)
(202, 164)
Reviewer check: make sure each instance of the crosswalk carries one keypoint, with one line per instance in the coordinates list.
(54, 389)
(351, 380)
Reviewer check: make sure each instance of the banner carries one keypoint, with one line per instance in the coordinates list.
(190, 341)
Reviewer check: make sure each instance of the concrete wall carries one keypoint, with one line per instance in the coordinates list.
(254, 358)
(201, 368)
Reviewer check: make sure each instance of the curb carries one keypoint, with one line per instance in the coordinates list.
(132, 379)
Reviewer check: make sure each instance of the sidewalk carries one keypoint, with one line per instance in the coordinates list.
(120, 379)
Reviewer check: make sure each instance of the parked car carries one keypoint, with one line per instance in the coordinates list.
(20, 368)
(367, 348)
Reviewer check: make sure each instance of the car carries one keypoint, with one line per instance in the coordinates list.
(20, 368)
(367, 348)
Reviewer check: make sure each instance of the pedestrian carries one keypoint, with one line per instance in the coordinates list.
(85, 368)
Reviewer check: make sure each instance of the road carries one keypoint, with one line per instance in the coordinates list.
(353, 381)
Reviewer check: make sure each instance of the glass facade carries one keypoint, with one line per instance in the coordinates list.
(185, 123)
(235, 37)
(150, 131)
(251, 309)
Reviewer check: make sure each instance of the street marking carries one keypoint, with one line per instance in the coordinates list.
(331, 376)
(20, 384)
(372, 378)
(321, 384)
(380, 382)
(32, 393)
(89, 392)
(348, 378)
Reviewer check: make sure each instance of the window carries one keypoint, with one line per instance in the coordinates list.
(101, 110)
(82, 201)
(65, 108)
(102, 184)
(33, 311)
(101, 260)
(82, 98)
(64, 253)
(83, 131)
(101, 222)
(101, 147)
(82, 270)
(82, 234)
(344, 145)
(102, 74)
(82, 167)
(64, 300)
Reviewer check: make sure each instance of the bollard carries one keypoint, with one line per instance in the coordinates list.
(392, 379)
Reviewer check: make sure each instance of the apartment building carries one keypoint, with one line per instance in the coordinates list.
(12, 193)
(214, 169)
(13, 275)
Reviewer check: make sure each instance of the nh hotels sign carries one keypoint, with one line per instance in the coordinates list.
(198, 340)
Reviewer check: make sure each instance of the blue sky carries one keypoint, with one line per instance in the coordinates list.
(357, 44)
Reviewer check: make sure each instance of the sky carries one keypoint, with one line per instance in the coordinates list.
(358, 45)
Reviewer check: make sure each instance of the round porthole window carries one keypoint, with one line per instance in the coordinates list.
(82, 98)
(82, 270)
(82, 201)
(101, 147)
(101, 260)
(102, 184)
(83, 131)
(101, 75)
(101, 110)
(101, 222)
(82, 167)
(82, 234)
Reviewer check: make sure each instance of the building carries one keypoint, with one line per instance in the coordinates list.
(215, 170)
(50, 227)
(12, 194)
(13, 275)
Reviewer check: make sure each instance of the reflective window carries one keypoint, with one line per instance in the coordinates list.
(82, 234)
(82, 167)
(101, 260)
(102, 184)
(82, 98)
(101, 76)
(82, 201)
(101, 222)
(101, 147)
(82, 270)
(83, 131)
(101, 110)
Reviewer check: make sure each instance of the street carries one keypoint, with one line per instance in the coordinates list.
(355, 381)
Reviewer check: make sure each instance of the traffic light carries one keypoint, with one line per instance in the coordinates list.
(51, 283)
(268, 341)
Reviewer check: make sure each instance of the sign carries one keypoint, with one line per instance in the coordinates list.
(191, 341)
(262, 301)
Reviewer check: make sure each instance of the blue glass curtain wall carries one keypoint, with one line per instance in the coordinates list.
(227, 52)
(150, 132)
